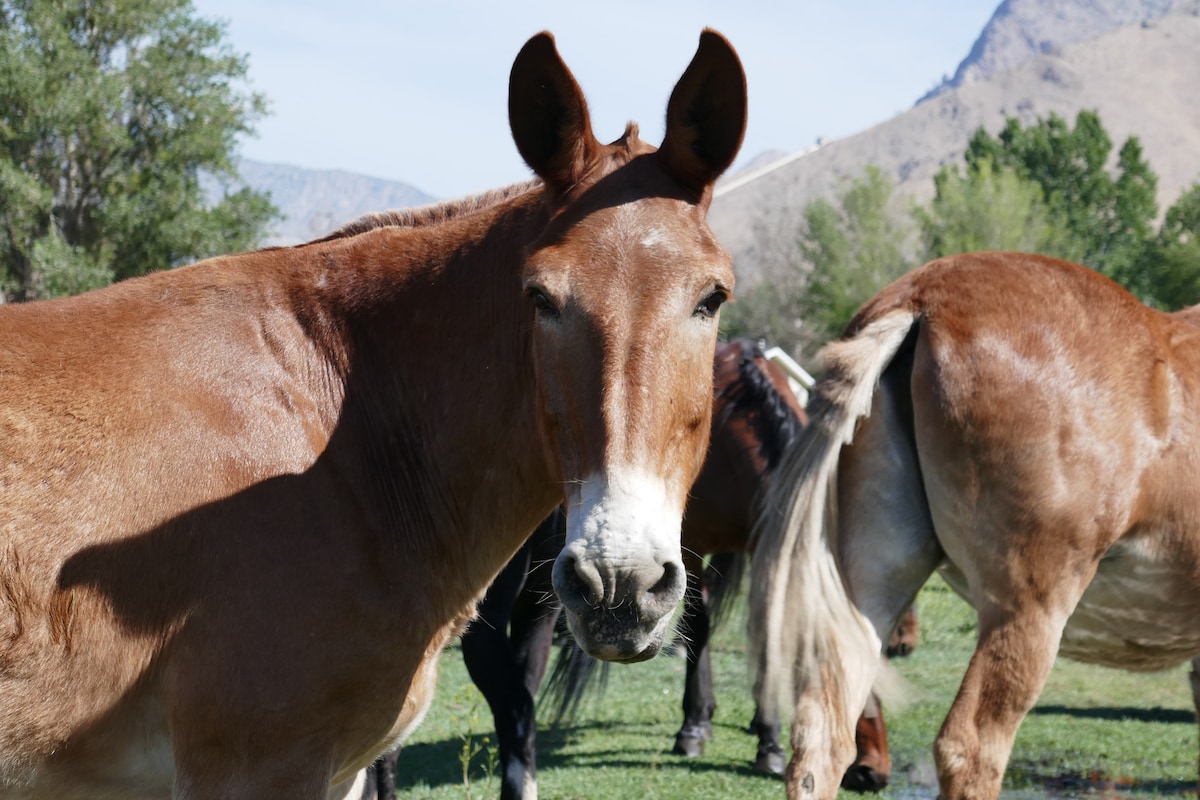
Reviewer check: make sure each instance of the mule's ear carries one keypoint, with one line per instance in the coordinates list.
(706, 116)
(548, 115)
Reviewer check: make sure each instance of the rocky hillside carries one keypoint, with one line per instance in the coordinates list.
(1023, 29)
(315, 202)
(1142, 78)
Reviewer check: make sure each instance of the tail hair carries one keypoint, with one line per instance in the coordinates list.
(574, 676)
(723, 578)
(800, 610)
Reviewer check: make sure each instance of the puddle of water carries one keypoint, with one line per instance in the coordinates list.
(919, 782)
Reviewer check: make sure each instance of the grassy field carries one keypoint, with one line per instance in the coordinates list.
(1095, 732)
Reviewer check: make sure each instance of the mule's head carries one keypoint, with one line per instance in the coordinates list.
(625, 282)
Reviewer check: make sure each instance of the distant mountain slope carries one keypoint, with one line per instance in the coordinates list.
(1141, 78)
(1023, 29)
(315, 202)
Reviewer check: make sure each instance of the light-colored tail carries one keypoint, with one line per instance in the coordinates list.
(800, 611)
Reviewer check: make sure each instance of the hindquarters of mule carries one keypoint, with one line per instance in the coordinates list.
(1026, 427)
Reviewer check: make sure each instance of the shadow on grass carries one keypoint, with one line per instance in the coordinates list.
(438, 763)
(1117, 713)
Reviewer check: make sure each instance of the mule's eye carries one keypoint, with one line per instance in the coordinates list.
(711, 302)
(542, 302)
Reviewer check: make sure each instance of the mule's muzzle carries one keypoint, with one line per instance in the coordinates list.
(618, 614)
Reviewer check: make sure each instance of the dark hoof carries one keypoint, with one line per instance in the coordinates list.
(771, 762)
(691, 738)
(860, 778)
(688, 746)
(899, 650)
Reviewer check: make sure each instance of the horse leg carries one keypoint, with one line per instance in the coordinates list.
(380, 783)
(872, 767)
(1018, 641)
(1194, 677)
(698, 700)
(770, 756)
(493, 667)
(1024, 553)
(904, 638)
(531, 635)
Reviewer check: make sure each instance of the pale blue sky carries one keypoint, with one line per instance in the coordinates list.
(417, 92)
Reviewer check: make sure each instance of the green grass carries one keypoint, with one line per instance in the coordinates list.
(1093, 729)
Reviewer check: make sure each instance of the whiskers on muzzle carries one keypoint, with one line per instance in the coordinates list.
(618, 614)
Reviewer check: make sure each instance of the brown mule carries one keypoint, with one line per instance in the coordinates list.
(244, 504)
(1031, 430)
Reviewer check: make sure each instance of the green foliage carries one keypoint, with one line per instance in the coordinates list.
(827, 266)
(988, 209)
(855, 248)
(1043, 189)
(1171, 263)
(1106, 220)
(109, 113)
(467, 703)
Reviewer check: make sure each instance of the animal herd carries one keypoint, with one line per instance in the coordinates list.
(247, 503)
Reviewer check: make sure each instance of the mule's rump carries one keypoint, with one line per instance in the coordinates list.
(1033, 431)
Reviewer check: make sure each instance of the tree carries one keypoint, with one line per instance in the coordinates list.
(1171, 265)
(110, 111)
(1109, 219)
(823, 267)
(987, 209)
(855, 247)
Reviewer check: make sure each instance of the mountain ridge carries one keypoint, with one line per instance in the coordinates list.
(1140, 78)
(1134, 61)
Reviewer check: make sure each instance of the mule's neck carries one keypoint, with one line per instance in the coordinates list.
(440, 385)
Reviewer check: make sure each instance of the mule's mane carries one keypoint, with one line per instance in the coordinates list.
(432, 214)
(774, 421)
(435, 213)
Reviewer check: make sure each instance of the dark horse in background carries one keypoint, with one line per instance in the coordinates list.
(506, 649)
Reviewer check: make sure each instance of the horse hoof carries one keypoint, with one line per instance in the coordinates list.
(688, 746)
(899, 650)
(860, 778)
(771, 762)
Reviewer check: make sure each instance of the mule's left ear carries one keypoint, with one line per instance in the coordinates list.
(548, 115)
(706, 116)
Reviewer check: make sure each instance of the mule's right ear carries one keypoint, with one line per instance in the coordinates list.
(548, 115)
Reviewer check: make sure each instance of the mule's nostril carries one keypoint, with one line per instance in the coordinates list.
(577, 584)
(669, 587)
